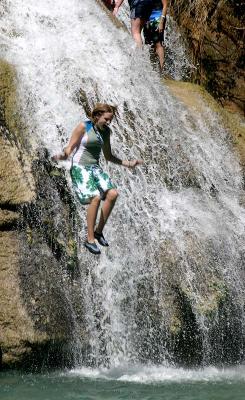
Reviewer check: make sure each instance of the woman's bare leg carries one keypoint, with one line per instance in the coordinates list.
(107, 208)
(160, 52)
(91, 217)
(136, 28)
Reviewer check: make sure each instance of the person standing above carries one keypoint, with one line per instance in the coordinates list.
(140, 11)
(154, 29)
(90, 182)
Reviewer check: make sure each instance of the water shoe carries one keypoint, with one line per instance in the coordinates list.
(100, 237)
(92, 247)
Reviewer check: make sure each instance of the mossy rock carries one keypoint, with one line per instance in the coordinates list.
(10, 114)
(215, 34)
(196, 98)
(16, 180)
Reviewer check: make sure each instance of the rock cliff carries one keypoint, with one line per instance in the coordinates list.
(215, 32)
(37, 243)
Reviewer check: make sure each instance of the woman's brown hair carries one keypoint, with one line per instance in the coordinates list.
(101, 108)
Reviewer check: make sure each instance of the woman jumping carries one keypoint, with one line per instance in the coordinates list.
(90, 183)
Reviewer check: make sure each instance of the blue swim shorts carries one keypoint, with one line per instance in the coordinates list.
(150, 30)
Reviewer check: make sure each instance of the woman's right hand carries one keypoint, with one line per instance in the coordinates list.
(134, 163)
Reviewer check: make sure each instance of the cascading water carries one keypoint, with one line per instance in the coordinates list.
(172, 279)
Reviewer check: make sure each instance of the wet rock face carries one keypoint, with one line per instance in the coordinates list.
(215, 31)
(38, 261)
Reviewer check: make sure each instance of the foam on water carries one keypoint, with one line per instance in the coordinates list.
(163, 374)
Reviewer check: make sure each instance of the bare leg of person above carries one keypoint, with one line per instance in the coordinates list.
(136, 28)
(139, 13)
(110, 200)
(160, 52)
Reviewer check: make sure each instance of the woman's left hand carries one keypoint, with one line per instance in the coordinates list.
(59, 157)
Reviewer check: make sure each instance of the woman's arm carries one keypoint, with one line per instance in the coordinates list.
(163, 17)
(164, 7)
(75, 140)
(110, 157)
(118, 4)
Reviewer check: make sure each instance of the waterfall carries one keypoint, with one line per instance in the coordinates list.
(172, 279)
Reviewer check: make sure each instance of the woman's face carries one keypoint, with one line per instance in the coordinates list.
(104, 120)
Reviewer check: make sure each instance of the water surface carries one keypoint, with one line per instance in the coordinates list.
(142, 383)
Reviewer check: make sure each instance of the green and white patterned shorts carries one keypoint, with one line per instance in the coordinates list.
(90, 181)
